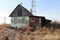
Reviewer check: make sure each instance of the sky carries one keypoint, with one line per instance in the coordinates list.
(47, 8)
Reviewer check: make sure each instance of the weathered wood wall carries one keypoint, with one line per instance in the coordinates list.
(20, 21)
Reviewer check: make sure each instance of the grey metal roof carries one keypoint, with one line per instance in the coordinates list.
(20, 11)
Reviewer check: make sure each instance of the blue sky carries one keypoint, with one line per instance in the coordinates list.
(48, 8)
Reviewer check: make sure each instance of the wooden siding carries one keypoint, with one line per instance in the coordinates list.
(39, 21)
(34, 21)
(22, 11)
(17, 21)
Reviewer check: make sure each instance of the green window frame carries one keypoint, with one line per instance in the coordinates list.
(23, 20)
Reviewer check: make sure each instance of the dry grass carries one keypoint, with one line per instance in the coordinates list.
(39, 34)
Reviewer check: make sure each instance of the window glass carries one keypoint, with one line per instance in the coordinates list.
(23, 20)
(12, 20)
(15, 18)
(19, 20)
(15, 22)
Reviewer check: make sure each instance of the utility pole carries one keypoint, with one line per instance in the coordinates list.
(4, 21)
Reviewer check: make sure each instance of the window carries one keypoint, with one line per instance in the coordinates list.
(19, 21)
(23, 20)
(15, 22)
(15, 18)
(32, 19)
(19, 12)
(12, 20)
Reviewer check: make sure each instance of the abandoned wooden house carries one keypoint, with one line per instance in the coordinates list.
(21, 17)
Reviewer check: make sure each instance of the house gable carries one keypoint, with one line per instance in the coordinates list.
(20, 11)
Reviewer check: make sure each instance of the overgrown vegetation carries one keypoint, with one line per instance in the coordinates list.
(40, 33)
